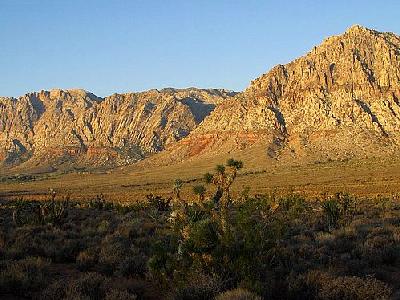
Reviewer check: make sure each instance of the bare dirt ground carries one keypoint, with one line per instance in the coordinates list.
(374, 176)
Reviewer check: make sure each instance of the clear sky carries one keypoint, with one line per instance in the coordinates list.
(108, 46)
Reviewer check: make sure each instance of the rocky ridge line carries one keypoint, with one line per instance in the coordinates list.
(77, 128)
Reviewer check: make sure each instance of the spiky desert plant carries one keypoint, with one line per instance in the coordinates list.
(347, 207)
(223, 179)
(53, 211)
(234, 166)
(208, 177)
(177, 187)
(332, 213)
(200, 191)
(99, 202)
(220, 169)
(162, 204)
(179, 207)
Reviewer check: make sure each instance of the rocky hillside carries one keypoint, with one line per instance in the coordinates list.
(340, 100)
(76, 128)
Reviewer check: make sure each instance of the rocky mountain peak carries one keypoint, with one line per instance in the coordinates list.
(357, 29)
(341, 99)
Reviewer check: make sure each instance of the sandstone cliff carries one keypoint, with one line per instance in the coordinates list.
(76, 128)
(340, 100)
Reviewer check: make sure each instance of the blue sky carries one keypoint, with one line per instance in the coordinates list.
(108, 46)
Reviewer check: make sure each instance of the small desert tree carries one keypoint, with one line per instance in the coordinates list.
(179, 206)
(177, 187)
(223, 179)
(234, 166)
(200, 191)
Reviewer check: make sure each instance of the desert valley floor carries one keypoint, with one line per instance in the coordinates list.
(368, 177)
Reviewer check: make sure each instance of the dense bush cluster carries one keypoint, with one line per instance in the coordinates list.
(210, 246)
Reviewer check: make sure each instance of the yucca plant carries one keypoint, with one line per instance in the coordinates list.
(332, 213)
(99, 202)
(53, 211)
(223, 179)
(159, 202)
(200, 191)
(347, 207)
(177, 187)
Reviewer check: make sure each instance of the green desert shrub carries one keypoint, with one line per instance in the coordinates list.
(116, 294)
(114, 250)
(25, 276)
(88, 286)
(380, 249)
(133, 265)
(332, 213)
(87, 259)
(40, 212)
(100, 203)
(103, 227)
(293, 203)
(55, 291)
(203, 236)
(339, 210)
(240, 250)
(199, 287)
(354, 288)
(125, 252)
(325, 286)
(131, 228)
(45, 241)
(237, 294)
(263, 244)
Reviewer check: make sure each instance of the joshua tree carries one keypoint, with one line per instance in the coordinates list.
(178, 183)
(234, 166)
(200, 191)
(179, 207)
(223, 179)
(53, 211)
(332, 212)
(210, 178)
(218, 180)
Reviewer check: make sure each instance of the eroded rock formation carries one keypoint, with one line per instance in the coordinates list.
(78, 128)
(339, 100)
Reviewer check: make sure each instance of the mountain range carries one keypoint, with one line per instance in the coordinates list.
(339, 101)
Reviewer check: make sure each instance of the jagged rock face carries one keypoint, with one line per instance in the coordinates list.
(341, 99)
(77, 127)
